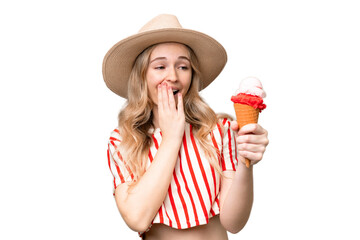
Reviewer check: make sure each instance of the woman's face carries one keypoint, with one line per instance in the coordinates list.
(169, 63)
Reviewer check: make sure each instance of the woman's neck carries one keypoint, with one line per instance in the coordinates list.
(155, 117)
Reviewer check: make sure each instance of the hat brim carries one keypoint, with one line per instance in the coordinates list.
(120, 59)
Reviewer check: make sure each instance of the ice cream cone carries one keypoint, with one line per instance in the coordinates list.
(248, 103)
(246, 114)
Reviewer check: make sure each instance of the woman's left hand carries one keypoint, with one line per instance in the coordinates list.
(251, 141)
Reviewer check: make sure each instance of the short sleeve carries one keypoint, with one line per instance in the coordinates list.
(229, 154)
(115, 161)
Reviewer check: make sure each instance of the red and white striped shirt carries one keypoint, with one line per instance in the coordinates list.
(193, 195)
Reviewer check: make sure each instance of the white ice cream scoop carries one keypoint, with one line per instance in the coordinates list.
(252, 86)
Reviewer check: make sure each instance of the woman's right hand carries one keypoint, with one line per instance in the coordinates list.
(171, 117)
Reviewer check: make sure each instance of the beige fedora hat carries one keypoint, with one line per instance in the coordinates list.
(120, 59)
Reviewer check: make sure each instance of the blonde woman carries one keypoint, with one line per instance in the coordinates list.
(174, 161)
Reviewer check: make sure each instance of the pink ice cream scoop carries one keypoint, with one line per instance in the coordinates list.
(252, 86)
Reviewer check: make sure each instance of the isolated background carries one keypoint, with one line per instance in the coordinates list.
(57, 114)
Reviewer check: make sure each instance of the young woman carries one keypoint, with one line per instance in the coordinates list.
(174, 161)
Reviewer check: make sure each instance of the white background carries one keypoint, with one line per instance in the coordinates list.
(57, 114)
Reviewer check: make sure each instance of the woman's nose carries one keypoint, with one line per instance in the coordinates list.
(172, 76)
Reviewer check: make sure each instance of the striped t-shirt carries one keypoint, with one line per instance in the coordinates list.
(193, 195)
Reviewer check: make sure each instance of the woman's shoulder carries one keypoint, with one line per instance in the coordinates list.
(224, 119)
(115, 135)
(223, 123)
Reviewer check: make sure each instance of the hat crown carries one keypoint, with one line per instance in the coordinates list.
(160, 22)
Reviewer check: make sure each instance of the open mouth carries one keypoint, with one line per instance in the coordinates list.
(175, 92)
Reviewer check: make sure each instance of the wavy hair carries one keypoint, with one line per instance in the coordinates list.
(135, 118)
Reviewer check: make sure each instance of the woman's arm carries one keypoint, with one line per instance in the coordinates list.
(139, 204)
(236, 196)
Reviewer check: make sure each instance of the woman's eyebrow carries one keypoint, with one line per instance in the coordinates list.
(164, 58)
(184, 57)
(158, 58)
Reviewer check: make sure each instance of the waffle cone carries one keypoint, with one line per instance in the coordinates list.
(245, 114)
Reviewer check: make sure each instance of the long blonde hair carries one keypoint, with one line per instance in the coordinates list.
(135, 119)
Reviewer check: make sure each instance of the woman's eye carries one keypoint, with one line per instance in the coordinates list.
(183, 67)
(160, 67)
